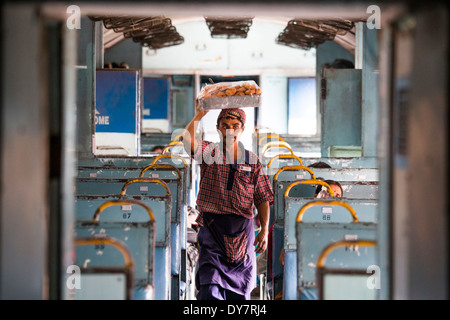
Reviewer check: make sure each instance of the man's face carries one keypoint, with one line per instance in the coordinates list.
(336, 190)
(230, 130)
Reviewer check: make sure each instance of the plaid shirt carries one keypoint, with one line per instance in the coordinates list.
(230, 188)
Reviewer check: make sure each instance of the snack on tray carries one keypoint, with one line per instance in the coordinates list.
(237, 94)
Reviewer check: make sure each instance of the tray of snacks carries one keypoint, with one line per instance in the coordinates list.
(224, 95)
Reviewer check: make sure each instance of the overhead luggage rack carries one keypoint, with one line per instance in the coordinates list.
(305, 34)
(229, 28)
(156, 25)
(153, 32)
(164, 38)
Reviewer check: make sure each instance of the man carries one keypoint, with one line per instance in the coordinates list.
(232, 182)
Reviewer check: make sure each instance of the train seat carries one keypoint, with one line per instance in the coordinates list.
(109, 176)
(183, 165)
(138, 237)
(367, 210)
(142, 185)
(313, 234)
(344, 271)
(161, 206)
(106, 282)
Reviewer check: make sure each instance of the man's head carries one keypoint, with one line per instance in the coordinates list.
(231, 124)
(334, 185)
(234, 113)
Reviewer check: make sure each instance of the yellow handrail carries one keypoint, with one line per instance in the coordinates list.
(127, 257)
(294, 168)
(179, 136)
(269, 136)
(274, 144)
(111, 203)
(309, 181)
(147, 180)
(285, 147)
(328, 203)
(325, 252)
(160, 165)
(170, 156)
(285, 156)
(175, 143)
(170, 145)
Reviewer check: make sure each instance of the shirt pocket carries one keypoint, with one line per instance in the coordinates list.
(243, 189)
(236, 247)
(245, 178)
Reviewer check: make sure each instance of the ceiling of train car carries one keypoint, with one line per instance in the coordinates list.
(258, 51)
(156, 32)
(306, 23)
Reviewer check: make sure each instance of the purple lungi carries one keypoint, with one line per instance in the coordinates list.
(227, 256)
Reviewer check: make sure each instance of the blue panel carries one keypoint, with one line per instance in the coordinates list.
(117, 101)
(277, 246)
(156, 98)
(162, 273)
(290, 276)
(175, 248)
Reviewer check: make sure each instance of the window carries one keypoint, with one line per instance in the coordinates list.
(302, 107)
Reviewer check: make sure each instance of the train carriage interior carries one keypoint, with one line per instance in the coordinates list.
(98, 194)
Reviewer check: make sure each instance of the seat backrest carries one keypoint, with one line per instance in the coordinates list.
(143, 186)
(139, 238)
(262, 138)
(275, 144)
(106, 186)
(111, 168)
(297, 192)
(360, 190)
(282, 180)
(274, 150)
(174, 147)
(181, 163)
(366, 210)
(341, 162)
(168, 172)
(281, 160)
(86, 206)
(179, 210)
(344, 271)
(104, 282)
(108, 173)
(348, 174)
(357, 183)
(313, 234)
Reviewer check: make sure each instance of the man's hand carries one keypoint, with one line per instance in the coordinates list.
(261, 241)
(199, 113)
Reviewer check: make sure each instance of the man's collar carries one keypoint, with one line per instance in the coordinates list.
(241, 159)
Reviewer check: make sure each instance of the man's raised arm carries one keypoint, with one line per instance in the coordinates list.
(189, 141)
